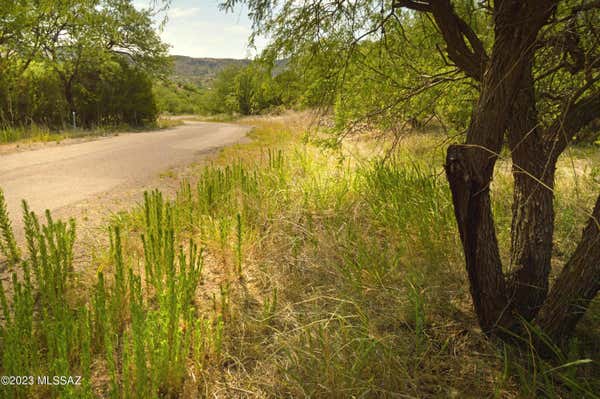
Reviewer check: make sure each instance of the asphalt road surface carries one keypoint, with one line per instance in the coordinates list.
(57, 176)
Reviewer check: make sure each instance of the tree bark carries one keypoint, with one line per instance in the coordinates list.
(532, 229)
(576, 286)
(471, 198)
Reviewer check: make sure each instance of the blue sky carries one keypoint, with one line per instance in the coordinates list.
(198, 28)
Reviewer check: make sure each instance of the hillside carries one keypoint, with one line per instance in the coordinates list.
(201, 70)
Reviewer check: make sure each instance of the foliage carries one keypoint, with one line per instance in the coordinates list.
(93, 58)
(144, 333)
(386, 73)
(258, 87)
(173, 97)
(388, 62)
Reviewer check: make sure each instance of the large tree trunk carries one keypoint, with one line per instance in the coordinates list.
(576, 286)
(469, 167)
(533, 209)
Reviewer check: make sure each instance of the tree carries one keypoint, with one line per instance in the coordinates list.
(251, 89)
(114, 93)
(22, 33)
(91, 31)
(59, 57)
(537, 74)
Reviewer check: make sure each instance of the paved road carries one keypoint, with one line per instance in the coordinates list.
(59, 176)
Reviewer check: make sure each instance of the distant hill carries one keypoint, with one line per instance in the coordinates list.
(200, 71)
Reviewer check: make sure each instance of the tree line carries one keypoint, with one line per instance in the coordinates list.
(262, 86)
(82, 62)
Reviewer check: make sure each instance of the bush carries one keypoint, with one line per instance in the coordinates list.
(112, 92)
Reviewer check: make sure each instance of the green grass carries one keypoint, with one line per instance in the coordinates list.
(280, 270)
(33, 133)
(41, 134)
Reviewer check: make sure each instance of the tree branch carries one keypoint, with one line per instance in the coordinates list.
(575, 116)
(463, 45)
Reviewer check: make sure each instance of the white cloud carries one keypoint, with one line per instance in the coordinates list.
(199, 28)
(177, 12)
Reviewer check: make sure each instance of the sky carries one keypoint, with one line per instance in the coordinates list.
(198, 28)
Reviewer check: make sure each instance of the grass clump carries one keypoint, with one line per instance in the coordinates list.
(137, 328)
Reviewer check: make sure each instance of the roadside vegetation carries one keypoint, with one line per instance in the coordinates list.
(283, 269)
(39, 134)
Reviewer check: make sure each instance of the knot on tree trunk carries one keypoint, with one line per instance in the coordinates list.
(455, 160)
